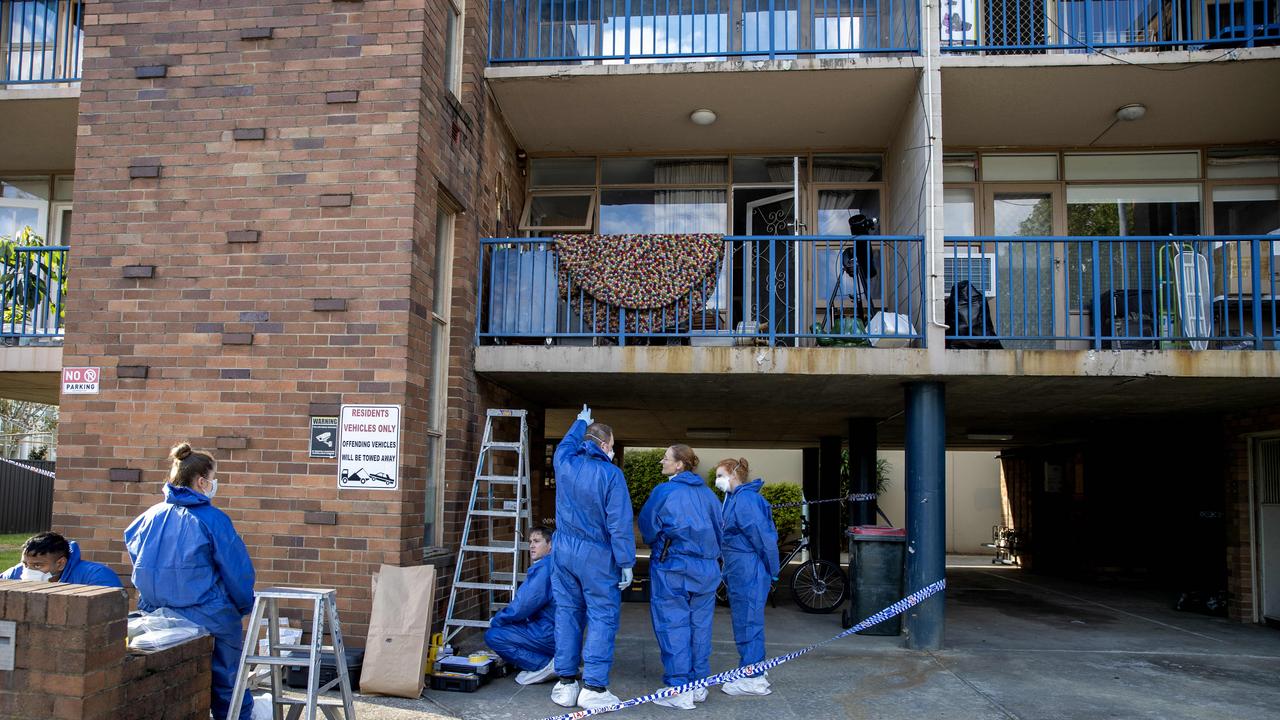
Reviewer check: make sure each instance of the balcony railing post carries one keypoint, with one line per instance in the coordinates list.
(1255, 272)
(626, 34)
(768, 290)
(1097, 296)
(772, 22)
(1088, 26)
(1249, 42)
(622, 327)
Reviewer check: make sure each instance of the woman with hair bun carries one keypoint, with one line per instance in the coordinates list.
(750, 566)
(188, 557)
(681, 524)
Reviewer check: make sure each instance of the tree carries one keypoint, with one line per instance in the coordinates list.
(19, 418)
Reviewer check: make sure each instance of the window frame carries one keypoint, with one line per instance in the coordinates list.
(593, 203)
(455, 34)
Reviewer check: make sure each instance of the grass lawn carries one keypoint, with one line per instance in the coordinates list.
(11, 549)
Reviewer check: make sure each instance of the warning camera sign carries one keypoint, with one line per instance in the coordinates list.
(369, 447)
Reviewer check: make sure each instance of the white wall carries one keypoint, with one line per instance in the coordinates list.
(973, 487)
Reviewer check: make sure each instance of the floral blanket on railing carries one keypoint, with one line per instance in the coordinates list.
(646, 274)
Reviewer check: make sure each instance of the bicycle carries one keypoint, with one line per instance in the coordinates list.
(817, 586)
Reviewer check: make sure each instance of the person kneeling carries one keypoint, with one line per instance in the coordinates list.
(49, 557)
(523, 633)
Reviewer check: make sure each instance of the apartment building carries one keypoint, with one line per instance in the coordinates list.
(1045, 229)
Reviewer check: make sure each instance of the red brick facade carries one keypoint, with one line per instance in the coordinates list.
(1240, 431)
(292, 156)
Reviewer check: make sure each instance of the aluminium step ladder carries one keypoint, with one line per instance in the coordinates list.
(500, 506)
(266, 604)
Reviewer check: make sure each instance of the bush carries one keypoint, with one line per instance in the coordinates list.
(643, 472)
(787, 520)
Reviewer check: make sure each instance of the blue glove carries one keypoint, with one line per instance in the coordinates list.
(774, 578)
(585, 415)
(627, 576)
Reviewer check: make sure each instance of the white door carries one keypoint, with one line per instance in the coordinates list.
(1268, 493)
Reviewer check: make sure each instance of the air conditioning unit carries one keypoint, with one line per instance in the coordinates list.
(978, 268)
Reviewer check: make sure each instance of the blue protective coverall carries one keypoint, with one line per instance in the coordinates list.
(187, 557)
(77, 571)
(524, 632)
(750, 564)
(681, 524)
(594, 541)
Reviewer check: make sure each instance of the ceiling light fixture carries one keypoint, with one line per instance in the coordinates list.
(1131, 112)
(702, 116)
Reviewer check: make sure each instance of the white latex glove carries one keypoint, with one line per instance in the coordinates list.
(626, 579)
(585, 415)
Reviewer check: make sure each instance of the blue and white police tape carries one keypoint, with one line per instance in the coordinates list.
(32, 468)
(852, 497)
(763, 666)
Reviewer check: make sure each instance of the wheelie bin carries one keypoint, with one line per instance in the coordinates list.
(877, 564)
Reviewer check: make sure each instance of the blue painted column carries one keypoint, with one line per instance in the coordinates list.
(926, 508)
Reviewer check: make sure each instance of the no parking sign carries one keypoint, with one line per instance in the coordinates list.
(80, 380)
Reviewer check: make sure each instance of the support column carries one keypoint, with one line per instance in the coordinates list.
(825, 518)
(810, 484)
(862, 468)
(926, 509)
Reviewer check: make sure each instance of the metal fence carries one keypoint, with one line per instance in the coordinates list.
(1022, 26)
(33, 290)
(628, 31)
(769, 290)
(1161, 292)
(26, 496)
(41, 41)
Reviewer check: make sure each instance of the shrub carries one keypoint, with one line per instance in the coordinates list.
(787, 520)
(643, 472)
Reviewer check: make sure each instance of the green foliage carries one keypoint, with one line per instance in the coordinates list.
(643, 471)
(39, 453)
(787, 520)
(711, 483)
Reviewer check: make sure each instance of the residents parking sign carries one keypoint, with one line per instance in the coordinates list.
(369, 447)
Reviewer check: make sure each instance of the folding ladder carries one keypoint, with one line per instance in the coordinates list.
(501, 504)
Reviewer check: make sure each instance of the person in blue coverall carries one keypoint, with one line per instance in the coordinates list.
(681, 524)
(49, 557)
(595, 553)
(750, 566)
(188, 557)
(524, 632)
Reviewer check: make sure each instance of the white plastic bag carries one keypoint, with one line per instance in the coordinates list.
(890, 324)
(262, 707)
(160, 629)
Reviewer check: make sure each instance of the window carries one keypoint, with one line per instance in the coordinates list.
(562, 172)
(662, 211)
(453, 46)
(1246, 210)
(437, 393)
(564, 210)
(1132, 166)
(1019, 168)
(24, 203)
(1243, 164)
(958, 211)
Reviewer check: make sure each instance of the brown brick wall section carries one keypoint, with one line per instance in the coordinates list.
(71, 662)
(1239, 432)
(393, 149)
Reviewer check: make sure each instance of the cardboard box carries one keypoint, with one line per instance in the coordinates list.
(1232, 265)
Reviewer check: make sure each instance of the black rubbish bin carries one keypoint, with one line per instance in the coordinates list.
(877, 563)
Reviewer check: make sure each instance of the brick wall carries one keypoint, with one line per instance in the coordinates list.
(1238, 432)
(287, 160)
(71, 662)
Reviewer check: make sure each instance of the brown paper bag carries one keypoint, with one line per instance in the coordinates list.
(399, 631)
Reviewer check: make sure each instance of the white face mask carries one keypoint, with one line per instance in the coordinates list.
(610, 454)
(213, 488)
(722, 483)
(36, 575)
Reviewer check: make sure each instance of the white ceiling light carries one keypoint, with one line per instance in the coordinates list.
(1131, 112)
(702, 116)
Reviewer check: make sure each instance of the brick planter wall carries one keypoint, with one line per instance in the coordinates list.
(70, 660)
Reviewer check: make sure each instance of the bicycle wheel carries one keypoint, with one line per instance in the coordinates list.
(819, 586)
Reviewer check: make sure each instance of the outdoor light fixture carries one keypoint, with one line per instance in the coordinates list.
(1131, 112)
(702, 116)
(708, 433)
(990, 436)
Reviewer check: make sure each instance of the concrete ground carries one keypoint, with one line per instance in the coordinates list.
(1017, 646)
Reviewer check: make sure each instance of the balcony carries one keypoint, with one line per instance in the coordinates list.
(41, 42)
(1119, 293)
(1082, 26)
(648, 31)
(810, 291)
(33, 290)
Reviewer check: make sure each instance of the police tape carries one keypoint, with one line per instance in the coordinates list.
(763, 666)
(851, 497)
(24, 466)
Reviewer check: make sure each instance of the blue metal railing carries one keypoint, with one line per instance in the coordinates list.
(1020, 26)
(33, 289)
(41, 41)
(1161, 292)
(626, 31)
(769, 290)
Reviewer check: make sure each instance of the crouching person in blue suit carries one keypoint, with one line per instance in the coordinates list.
(48, 557)
(188, 557)
(524, 632)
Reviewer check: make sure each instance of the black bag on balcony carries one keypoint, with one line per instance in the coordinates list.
(969, 317)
